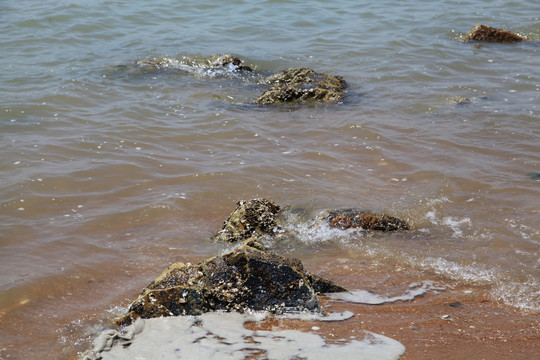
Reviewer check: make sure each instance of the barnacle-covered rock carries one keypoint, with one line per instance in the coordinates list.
(353, 218)
(302, 84)
(256, 218)
(490, 34)
(240, 280)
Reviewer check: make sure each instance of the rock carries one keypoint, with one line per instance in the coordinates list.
(302, 84)
(261, 219)
(490, 34)
(240, 280)
(460, 101)
(256, 218)
(354, 218)
(230, 62)
(456, 304)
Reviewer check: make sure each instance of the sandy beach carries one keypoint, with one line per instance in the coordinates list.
(454, 323)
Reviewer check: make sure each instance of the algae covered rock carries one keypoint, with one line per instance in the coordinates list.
(302, 84)
(490, 34)
(240, 280)
(353, 218)
(251, 218)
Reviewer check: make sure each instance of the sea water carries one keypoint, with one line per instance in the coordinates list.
(109, 174)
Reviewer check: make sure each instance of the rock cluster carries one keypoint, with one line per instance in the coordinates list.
(302, 84)
(294, 85)
(249, 277)
(490, 34)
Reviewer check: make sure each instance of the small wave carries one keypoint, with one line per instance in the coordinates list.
(518, 294)
(454, 223)
(471, 274)
(198, 66)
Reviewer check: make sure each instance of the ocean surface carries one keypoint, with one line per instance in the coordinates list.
(110, 172)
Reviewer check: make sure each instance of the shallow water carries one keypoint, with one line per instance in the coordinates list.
(108, 175)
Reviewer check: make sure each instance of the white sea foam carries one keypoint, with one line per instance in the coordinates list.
(368, 297)
(454, 223)
(316, 230)
(221, 335)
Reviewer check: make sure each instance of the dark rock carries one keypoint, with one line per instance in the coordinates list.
(324, 286)
(302, 84)
(490, 34)
(240, 280)
(252, 218)
(354, 218)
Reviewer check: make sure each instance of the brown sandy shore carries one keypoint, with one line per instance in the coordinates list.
(431, 329)
(459, 322)
(454, 322)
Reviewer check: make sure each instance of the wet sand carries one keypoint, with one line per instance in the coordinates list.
(454, 323)
(430, 328)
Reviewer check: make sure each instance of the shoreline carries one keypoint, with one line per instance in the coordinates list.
(459, 322)
(430, 328)
(475, 327)
(449, 321)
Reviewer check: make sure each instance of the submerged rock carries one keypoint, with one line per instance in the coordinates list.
(240, 280)
(302, 84)
(354, 218)
(252, 218)
(226, 61)
(460, 101)
(490, 34)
